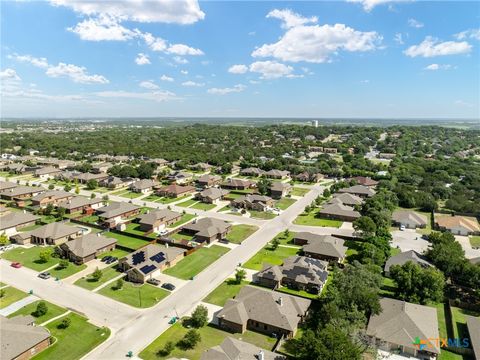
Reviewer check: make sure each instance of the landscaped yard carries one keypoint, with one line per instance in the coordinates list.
(182, 236)
(272, 257)
(53, 311)
(141, 296)
(475, 241)
(226, 290)
(75, 341)
(29, 257)
(89, 283)
(460, 329)
(203, 206)
(66, 272)
(185, 218)
(210, 336)
(310, 219)
(127, 241)
(240, 233)
(300, 293)
(284, 203)
(134, 228)
(11, 295)
(187, 203)
(119, 253)
(193, 264)
(262, 215)
(298, 191)
(92, 219)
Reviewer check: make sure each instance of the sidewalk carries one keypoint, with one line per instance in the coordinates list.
(10, 309)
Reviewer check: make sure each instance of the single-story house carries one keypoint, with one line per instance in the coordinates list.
(253, 202)
(5, 185)
(400, 323)
(323, 247)
(180, 177)
(21, 192)
(232, 348)
(307, 177)
(208, 180)
(346, 199)
(53, 197)
(12, 222)
(157, 220)
(148, 261)
(55, 233)
(208, 229)
(113, 182)
(174, 190)
(80, 204)
(338, 211)
(86, 177)
(211, 195)
(21, 169)
(87, 247)
(101, 167)
(277, 174)
(143, 186)
(115, 212)
(359, 190)
(473, 326)
(237, 184)
(264, 311)
(296, 272)
(21, 339)
(252, 171)
(405, 257)
(47, 172)
(365, 181)
(201, 167)
(279, 190)
(458, 225)
(410, 219)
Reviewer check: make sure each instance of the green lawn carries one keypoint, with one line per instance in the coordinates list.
(185, 218)
(300, 293)
(475, 241)
(90, 284)
(298, 191)
(142, 296)
(131, 195)
(193, 264)
(30, 228)
(134, 228)
(119, 253)
(286, 240)
(284, 203)
(92, 219)
(11, 295)
(203, 206)
(267, 255)
(447, 355)
(75, 341)
(210, 336)
(460, 322)
(168, 200)
(262, 215)
(226, 290)
(68, 271)
(225, 208)
(53, 311)
(30, 257)
(388, 287)
(310, 219)
(240, 233)
(187, 203)
(442, 324)
(127, 241)
(182, 236)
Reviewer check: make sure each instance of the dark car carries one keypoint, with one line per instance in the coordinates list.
(106, 258)
(44, 275)
(153, 282)
(168, 286)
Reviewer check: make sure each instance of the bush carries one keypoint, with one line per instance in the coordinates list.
(63, 264)
(190, 340)
(65, 323)
(119, 284)
(45, 255)
(199, 317)
(97, 274)
(167, 349)
(41, 309)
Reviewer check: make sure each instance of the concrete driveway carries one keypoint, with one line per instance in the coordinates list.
(409, 239)
(470, 253)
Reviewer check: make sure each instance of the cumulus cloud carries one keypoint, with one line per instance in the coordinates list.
(158, 96)
(180, 60)
(368, 5)
(238, 69)
(290, 19)
(431, 47)
(166, 78)
(190, 83)
(415, 23)
(142, 59)
(398, 38)
(223, 91)
(270, 69)
(468, 34)
(184, 72)
(103, 28)
(9, 74)
(38, 62)
(435, 67)
(181, 49)
(149, 84)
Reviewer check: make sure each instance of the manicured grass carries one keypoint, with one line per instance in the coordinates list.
(127, 241)
(394, 251)
(475, 241)
(193, 264)
(310, 219)
(182, 236)
(225, 208)
(286, 240)
(210, 336)
(142, 296)
(68, 271)
(187, 203)
(298, 191)
(53, 311)
(185, 218)
(262, 215)
(119, 192)
(447, 355)
(168, 200)
(240, 233)
(203, 206)
(460, 322)
(30, 257)
(90, 284)
(92, 219)
(388, 287)
(300, 293)
(30, 228)
(284, 203)
(272, 257)
(119, 253)
(226, 290)
(131, 195)
(442, 323)
(75, 341)
(153, 197)
(134, 228)
(11, 295)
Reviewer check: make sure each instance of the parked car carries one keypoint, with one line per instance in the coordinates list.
(44, 275)
(168, 286)
(163, 232)
(402, 227)
(106, 258)
(111, 260)
(153, 282)
(16, 265)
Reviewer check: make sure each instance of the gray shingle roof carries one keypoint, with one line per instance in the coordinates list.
(116, 209)
(473, 324)
(88, 244)
(78, 201)
(16, 218)
(233, 349)
(358, 189)
(152, 217)
(339, 210)
(404, 257)
(325, 245)
(54, 230)
(402, 216)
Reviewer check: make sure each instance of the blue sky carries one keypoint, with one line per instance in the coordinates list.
(354, 58)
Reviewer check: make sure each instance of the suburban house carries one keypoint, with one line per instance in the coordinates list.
(232, 348)
(346, 199)
(307, 177)
(20, 169)
(365, 181)
(101, 167)
(5, 185)
(208, 229)
(52, 197)
(83, 178)
(237, 184)
(208, 180)
(86, 247)
(252, 171)
(113, 214)
(400, 323)
(12, 222)
(338, 211)
(359, 190)
(21, 339)
(405, 257)
(113, 182)
(47, 172)
(67, 175)
(253, 202)
(149, 261)
(201, 167)
(264, 311)
(157, 220)
(296, 272)
(458, 225)
(473, 326)
(180, 177)
(21, 192)
(55, 233)
(277, 174)
(323, 247)
(80, 204)
(211, 195)
(279, 190)
(174, 190)
(143, 186)
(410, 219)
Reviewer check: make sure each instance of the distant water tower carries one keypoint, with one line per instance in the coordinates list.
(315, 123)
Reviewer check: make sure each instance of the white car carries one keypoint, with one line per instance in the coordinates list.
(163, 232)
(402, 227)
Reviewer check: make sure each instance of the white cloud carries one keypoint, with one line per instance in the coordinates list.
(9, 74)
(162, 11)
(431, 47)
(181, 49)
(180, 60)
(290, 19)
(316, 43)
(238, 69)
(224, 91)
(398, 38)
(142, 59)
(166, 78)
(103, 28)
(415, 23)
(368, 5)
(158, 96)
(154, 43)
(192, 84)
(38, 95)
(468, 34)
(38, 62)
(435, 67)
(149, 84)
(463, 103)
(184, 72)
(270, 69)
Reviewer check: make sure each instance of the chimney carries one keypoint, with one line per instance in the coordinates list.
(261, 355)
(280, 301)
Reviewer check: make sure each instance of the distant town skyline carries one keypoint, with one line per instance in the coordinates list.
(339, 59)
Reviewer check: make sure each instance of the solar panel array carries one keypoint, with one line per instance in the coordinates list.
(160, 257)
(138, 257)
(147, 268)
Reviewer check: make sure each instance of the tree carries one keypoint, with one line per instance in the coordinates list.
(286, 233)
(41, 309)
(45, 255)
(63, 264)
(167, 349)
(105, 198)
(326, 193)
(366, 225)
(77, 189)
(67, 188)
(65, 323)
(191, 339)
(97, 274)
(51, 187)
(93, 196)
(61, 212)
(49, 209)
(240, 275)
(263, 186)
(4, 239)
(92, 184)
(199, 316)
(274, 243)
(2, 293)
(446, 253)
(119, 284)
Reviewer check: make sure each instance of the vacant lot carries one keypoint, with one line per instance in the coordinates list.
(240, 233)
(31, 257)
(270, 256)
(226, 290)
(141, 296)
(11, 295)
(311, 219)
(193, 264)
(53, 311)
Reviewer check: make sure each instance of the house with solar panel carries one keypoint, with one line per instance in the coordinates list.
(149, 261)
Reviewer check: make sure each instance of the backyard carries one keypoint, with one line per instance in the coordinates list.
(127, 241)
(240, 233)
(141, 296)
(311, 219)
(185, 218)
(134, 228)
(270, 256)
